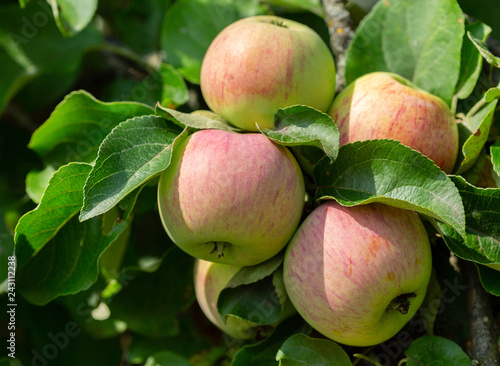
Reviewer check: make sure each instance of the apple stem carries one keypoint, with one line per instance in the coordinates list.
(401, 303)
(218, 247)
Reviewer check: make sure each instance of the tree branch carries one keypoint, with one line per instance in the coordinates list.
(483, 342)
(340, 27)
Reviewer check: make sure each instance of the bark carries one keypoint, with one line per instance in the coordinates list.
(340, 27)
(482, 335)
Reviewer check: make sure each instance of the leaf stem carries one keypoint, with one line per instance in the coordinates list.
(128, 54)
(476, 108)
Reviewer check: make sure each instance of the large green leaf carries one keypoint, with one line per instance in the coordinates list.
(57, 255)
(61, 201)
(305, 126)
(78, 125)
(482, 241)
(134, 152)
(471, 59)
(68, 263)
(191, 25)
(72, 16)
(478, 127)
(255, 293)
(150, 302)
(388, 172)
(301, 350)
(31, 46)
(420, 40)
(432, 350)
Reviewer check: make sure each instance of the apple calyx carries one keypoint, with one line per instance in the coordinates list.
(279, 23)
(401, 303)
(218, 247)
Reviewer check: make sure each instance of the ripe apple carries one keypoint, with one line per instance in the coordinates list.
(260, 64)
(383, 105)
(209, 280)
(231, 198)
(358, 274)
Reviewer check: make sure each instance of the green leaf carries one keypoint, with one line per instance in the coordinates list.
(495, 156)
(490, 279)
(264, 352)
(305, 126)
(419, 40)
(300, 349)
(471, 59)
(134, 152)
(31, 46)
(166, 358)
(485, 52)
(191, 25)
(314, 6)
(196, 120)
(56, 255)
(479, 125)
(254, 294)
(432, 350)
(169, 291)
(72, 16)
(61, 201)
(388, 172)
(492, 94)
(482, 239)
(78, 125)
(37, 181)
(258, 303)
(68, 263)
(174, 90)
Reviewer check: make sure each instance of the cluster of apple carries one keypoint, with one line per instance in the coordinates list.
(356, 275)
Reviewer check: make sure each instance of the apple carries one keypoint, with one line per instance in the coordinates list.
(382, 105)
(260, 64)
(209, 280)
(231, 198)
(358, 274)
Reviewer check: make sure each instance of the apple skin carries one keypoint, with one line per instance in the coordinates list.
(209, 280)
(383, 105)
(345, 265)
(239, 193)
(260, 64)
